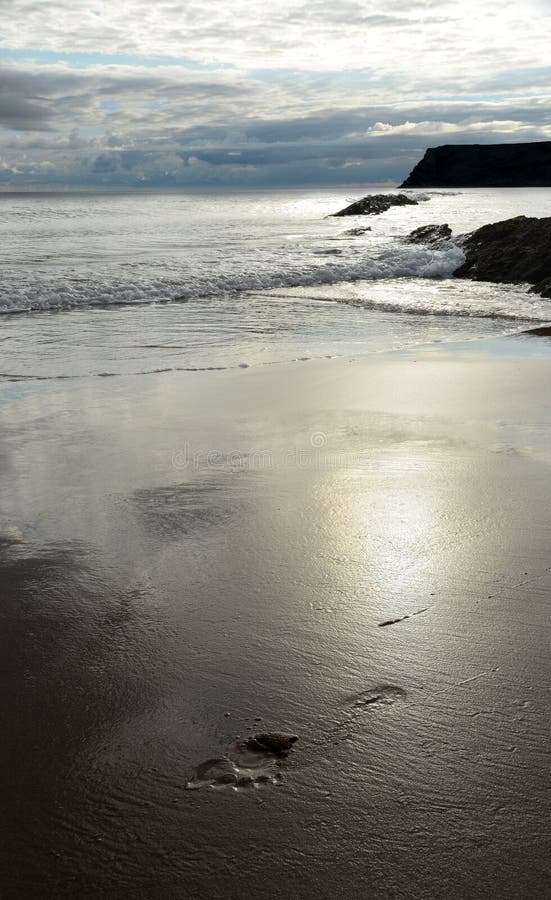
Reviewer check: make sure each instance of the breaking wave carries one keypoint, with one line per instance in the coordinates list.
(455, 298)
(44, 290)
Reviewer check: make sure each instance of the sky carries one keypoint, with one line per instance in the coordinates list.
(271, 93)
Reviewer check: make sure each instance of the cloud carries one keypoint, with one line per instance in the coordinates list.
(20, 114)
(440, 37)
(171, 93)
(502, 127)
(39, 96)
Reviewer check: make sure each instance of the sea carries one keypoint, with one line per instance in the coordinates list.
(116, 284)
(356, 554)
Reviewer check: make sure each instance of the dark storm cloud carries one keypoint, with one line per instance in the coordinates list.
(267, 158)
(344, 125)
(105, 163)
(20, 114)
(334, 154)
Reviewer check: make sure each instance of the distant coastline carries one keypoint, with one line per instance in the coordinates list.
(483, 165)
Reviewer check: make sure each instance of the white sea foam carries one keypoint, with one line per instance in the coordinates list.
(451, 298)
(197, 283)
(39, 290)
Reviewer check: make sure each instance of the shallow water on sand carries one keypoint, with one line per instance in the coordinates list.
(185, 564)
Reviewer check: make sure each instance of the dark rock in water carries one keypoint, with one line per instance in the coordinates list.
(355, 232)
(516, 251)
(543, 288)
(541, 331)
(273, 742)
(430, 234)
(374, 204)
(483, 165)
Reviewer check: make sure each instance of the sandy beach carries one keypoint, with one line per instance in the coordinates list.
(354, 552)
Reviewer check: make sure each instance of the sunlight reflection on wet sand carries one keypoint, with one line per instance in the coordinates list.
(156, 610)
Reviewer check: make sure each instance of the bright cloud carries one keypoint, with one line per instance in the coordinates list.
(439, 35)
(180, 93)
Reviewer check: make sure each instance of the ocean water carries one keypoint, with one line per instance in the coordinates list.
(188, 560)
(114, 284)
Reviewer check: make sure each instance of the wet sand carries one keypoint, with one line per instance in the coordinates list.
(357, 553)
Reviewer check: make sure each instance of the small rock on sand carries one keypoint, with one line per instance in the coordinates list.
(273, 742)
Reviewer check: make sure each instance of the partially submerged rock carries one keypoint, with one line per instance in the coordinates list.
(374, 204)
(540, 331)
(355, 232)
(543, 288)
(516, 251)
(430, 234)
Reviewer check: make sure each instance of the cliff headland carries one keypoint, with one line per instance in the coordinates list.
(483, 165)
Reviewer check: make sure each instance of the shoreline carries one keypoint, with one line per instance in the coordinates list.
(528, 342)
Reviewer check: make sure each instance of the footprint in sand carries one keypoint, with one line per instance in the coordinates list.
(358, 712)
(380, 695)
(257, 760)
(248, 763)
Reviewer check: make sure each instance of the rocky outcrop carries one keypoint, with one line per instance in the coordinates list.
(483, 165)
(374, 204)
(516, 250)
(543, 288)
(356, 232)
(540, 331)
(430, 234)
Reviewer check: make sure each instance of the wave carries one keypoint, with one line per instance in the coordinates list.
(73, 291)
(9, 377)
(387, 275)
(13, 377)
(530, 312)
(457, 298)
